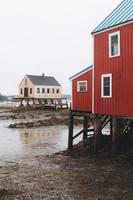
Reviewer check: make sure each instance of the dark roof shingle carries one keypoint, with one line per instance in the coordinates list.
(43, 80)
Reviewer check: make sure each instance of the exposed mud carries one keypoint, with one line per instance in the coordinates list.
(38, 118)
(76, 175)
(64, 177)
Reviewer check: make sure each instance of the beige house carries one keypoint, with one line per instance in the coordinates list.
(39, 87)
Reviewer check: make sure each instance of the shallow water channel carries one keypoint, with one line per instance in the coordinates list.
(16, 143)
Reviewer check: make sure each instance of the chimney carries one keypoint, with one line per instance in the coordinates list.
(43, 75)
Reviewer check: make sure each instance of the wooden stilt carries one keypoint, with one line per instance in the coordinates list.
(111, 126)
(28, 102)
(85, 128)
(33, 100)
(70, 138)
(21, 102)
(115, 135)
(131, 131)
(97, 134)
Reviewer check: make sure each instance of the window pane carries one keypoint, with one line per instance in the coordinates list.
(107, 81)
(38, 90)
(48, 90)
(57, 91)
(106, 91)
(114, 45)
(106, 86)
(82, 87)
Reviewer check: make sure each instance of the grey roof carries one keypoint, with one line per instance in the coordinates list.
(121, 14)
(43, 80)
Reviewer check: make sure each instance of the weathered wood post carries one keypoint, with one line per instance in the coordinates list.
(131, 130)
(21, 102)
(28, 102)
(55, 105)
(115, 135)
(111, 127)
(85, 128)
(67, 105)
(70, 137)
(33, 101)
(97, 133)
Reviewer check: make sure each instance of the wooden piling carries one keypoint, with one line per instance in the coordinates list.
(85, 128)
(97, 133)
(21, 102)
(115, 135)
(111, 126)
(70, 138)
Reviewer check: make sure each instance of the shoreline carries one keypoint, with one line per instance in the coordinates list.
(64, 175)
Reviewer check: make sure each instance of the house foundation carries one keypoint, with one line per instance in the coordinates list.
(93, 125)
(56, 103)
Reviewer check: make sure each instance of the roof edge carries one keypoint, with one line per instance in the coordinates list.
(81, 72)
(107, 16)
(111, 27)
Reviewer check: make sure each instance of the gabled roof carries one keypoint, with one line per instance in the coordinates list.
(121, 14)
(43, 80)
(81, 72)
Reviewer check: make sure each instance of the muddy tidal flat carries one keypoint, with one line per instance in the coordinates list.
(34, 164)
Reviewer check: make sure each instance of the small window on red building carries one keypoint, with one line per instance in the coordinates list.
(106, 85)
(114, 44)
(82, 86)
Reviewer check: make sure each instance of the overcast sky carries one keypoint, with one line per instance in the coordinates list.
(47, 36)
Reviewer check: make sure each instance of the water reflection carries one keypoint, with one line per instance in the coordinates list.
(50, 135)
(27, 142)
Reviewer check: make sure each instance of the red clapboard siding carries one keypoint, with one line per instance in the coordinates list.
(121, 67)
(82, 100)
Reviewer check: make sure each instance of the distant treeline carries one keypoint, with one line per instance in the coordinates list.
(3, 98)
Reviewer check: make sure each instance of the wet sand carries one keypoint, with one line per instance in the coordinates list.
(31, 168)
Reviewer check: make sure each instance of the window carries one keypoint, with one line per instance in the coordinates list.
(48, 90)
(53, 90)
(57, 91)
(114, 44)
(30, 90)
(106, 85)
(21, 91)
(43, 90)
(82, 86)
(38, 90)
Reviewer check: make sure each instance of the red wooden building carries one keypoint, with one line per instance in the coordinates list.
(113, 63)
(112, 80)
(82, 90)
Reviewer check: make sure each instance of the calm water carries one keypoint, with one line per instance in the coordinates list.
(16, 143)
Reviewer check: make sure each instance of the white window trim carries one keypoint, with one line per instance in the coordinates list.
(78, 88)
(102, 88)
(110, 35)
